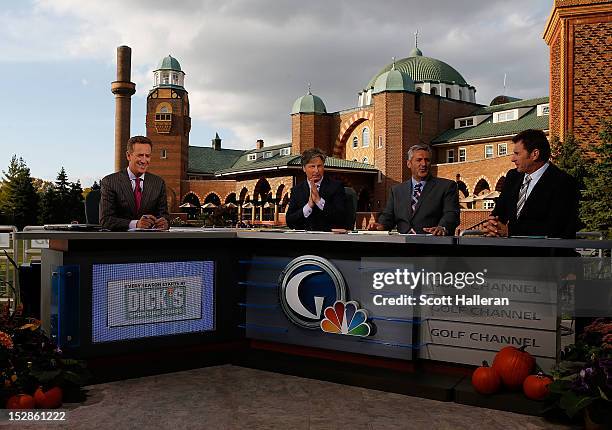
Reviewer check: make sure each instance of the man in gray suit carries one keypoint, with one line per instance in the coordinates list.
(133, 198)
(424, 204)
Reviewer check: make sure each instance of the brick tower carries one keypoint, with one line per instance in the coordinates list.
(310, 125)
(168, 125)
(579, 34)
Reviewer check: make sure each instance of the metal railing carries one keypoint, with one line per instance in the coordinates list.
(9, 286)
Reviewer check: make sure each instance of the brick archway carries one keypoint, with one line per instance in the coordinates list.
(347, 128)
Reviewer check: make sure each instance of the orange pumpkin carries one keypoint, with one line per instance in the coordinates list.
(535, 387)
(513, 366)
(49, 399)
(20, 401)
(485, 379)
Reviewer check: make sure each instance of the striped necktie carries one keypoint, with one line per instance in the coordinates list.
(416, 194)
(137, 195)
(522, 195)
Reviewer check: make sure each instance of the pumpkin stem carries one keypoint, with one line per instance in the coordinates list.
(485, 364)
(522, 348)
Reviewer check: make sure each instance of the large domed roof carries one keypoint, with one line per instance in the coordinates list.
(169, 63)
(423, 69)
(309, 104)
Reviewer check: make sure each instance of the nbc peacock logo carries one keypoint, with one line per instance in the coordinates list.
(346, 318)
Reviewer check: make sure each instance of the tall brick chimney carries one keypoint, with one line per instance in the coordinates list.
(123, 90)
(259, 144)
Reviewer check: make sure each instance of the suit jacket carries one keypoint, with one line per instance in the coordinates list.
(437, 206)
(550, 210)
(333, 213)
(117, 203)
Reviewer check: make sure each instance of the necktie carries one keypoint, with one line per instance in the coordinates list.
(137, 195)
(416, 194)
(522, 195)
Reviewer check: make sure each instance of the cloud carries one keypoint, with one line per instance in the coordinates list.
(247, 61)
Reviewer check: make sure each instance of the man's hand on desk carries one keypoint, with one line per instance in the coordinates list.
(495, 228)
(436, 231)
(149, 221)
(376, 227)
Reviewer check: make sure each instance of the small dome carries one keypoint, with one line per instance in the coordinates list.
(416, 52)
(169, 63)
(393, 80)
(503, 99)
(309, 104)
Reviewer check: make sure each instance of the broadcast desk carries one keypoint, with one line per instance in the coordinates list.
(106, 294)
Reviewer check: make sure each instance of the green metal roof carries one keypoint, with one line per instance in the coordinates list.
(292, 161)
(489, 129)
(393, 80)
(169, 63)
(422, 69)
(512, 105)
(308, 104)
(204, 160)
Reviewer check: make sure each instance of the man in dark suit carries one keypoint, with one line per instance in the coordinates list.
(133, 198)
(318, 203)
(424, 204)
(537, 199)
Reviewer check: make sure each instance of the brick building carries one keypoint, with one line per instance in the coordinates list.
(416, 99)
(579, 34)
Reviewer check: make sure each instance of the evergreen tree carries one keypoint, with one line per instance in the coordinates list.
(18, 197)
(569, 157)
(596, 209)
(48, 207)
(76, 203)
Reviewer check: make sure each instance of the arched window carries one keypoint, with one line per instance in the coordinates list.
(419, 89)
(448, 93)
(434, 91)
(365, 137)
(365, 160)
(460, 95)
(355, 142)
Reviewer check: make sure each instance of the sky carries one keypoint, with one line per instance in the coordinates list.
(246, 61)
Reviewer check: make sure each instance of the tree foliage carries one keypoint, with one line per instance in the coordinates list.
(18, 196)
(596, 207)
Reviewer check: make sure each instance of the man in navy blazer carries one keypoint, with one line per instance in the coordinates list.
(423, 204)
(133, 198)
(318, 203)
(537, 199)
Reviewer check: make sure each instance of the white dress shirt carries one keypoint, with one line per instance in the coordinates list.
(535, 177)
(133, 181)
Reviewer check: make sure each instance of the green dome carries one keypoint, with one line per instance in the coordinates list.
(309, 104)
(393, 80)
(423, 69)
(169, 63)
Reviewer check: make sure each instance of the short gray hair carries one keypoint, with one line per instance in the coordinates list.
(419, 147)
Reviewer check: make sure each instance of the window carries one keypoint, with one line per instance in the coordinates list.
(488, 204)
(267, 154)
(252, 157)
(460, 95)
(450, 155)
(502, 149)
(380, 142)
(462, 154)
(468, 122)
(488, 151)
(365, 137)
(165, 78)
(543, 109)
(285, 151)
(448, 93)
(434, 91)
(163, 117)
(175, 79)
(365, 160)
(509, 115)
(355, 142)
(164, 154)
